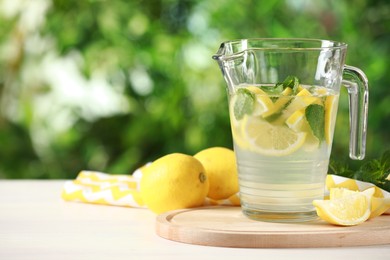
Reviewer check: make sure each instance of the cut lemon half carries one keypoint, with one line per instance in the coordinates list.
(330, 116)
(345, 207)
(268, 139)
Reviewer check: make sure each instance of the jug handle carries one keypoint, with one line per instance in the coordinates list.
(356, 83)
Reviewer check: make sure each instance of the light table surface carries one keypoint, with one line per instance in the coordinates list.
(35, 223)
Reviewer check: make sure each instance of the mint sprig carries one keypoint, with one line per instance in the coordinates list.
(375, 171)
(244, 104)
(289, 82)
(273, 90)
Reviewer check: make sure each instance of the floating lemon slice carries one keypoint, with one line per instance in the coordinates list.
(303, 99)
(263, 103)
(320, 91)
(280, 103)
(298, 103)
(296, 121)
(345, 207)
(268, 139)
(330, 116)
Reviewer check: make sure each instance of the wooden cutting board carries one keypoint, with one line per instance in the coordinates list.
(228, 227)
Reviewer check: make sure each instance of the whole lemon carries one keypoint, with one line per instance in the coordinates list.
(174, 181)
(221, 169)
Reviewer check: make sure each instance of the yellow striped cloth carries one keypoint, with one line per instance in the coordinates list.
(123, 190)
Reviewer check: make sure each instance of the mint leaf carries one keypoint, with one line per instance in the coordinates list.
(292, 82)
(244, 103)
(315, 115)
(273, 90)
(385, 161)
(340, 168)
(370, 172)
(375, 170)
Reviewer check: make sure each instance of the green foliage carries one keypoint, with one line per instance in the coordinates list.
(155, 59)
(376, 171)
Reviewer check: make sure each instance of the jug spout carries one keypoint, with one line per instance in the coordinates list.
(225, 60)
(226, 52)
(219, 54)
(237, 64)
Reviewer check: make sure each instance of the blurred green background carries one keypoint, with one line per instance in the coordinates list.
(111, 85)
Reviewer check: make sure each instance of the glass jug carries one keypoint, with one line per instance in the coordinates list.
(283, 99)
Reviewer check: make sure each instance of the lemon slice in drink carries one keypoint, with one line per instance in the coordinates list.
(303, 99)
(280, 103)
(268, 139)
(345, 208)
(263, 103)
(296, 121)
(330, 116)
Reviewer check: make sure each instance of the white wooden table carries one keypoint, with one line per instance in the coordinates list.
(35, 223)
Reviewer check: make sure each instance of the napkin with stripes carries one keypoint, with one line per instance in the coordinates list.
(123, 190)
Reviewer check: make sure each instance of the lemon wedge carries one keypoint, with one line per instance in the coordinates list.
(271, 140)
(345, 207)
(379, 206)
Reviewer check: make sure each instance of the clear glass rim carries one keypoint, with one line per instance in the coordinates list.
(276, 44)
(325, 44)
